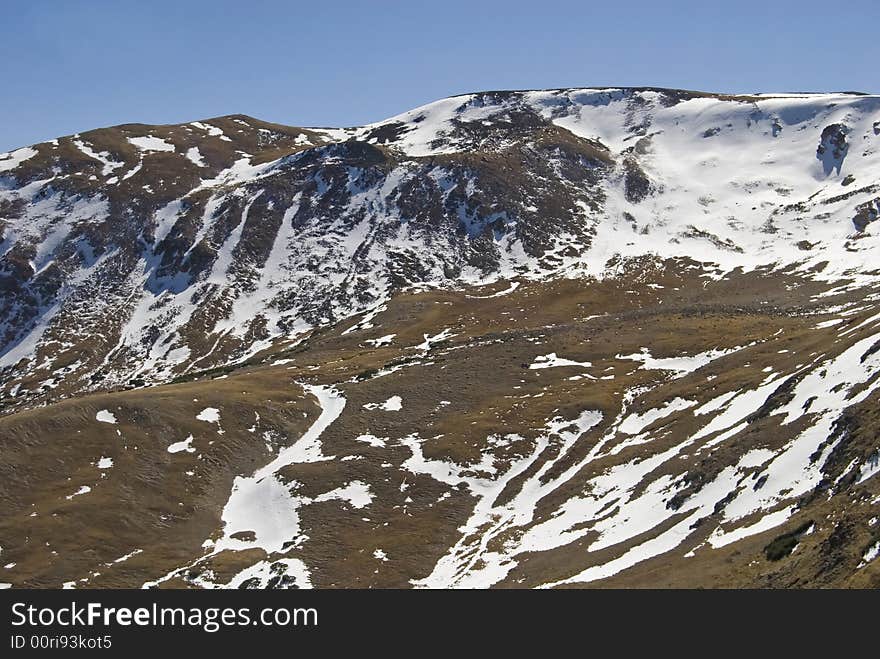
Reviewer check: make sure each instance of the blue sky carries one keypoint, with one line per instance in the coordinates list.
(75, 65)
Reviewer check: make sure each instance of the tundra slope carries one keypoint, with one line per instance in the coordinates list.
(612, 336)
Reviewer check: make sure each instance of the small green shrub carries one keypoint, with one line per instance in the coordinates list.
(783, 545)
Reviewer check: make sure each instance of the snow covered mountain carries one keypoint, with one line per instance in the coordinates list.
(518, 338)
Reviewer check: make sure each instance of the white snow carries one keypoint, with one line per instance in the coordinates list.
(150, 143)
(372, 440)
(716, 403)
(470, 564)
(104, 157)
(209, 414)
(262, 503)
(739, 407)
(870, 554)
(680, 366)
(721, 538)
(357, 493)
(551, 361)
(871, 467)
(507, 291)
(393, 404)
(84, 489)
(430, 340)
(195, 156)
(105, 416)
(13, 159)
(134, 170)
(127, 556)
(212, 130)
(381, 341)
(185, 445)
(635, 423)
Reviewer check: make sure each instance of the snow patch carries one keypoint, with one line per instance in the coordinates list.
(84, 489)
(209, 414)
(357, 493)
(393, 404)
(195, 156)
(185, 445)
(105, 416)
(13, 159)
(150, 143)
(551, 361)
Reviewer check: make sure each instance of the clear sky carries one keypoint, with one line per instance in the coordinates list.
(68, 66)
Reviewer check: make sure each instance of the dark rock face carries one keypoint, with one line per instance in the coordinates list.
(637, 186)
(866, 213)
(833, 147)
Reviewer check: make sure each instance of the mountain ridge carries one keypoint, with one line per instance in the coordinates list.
(743, 96)
(696, 92)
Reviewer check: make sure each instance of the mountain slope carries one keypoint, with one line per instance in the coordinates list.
(205, 240)
(622, 336)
